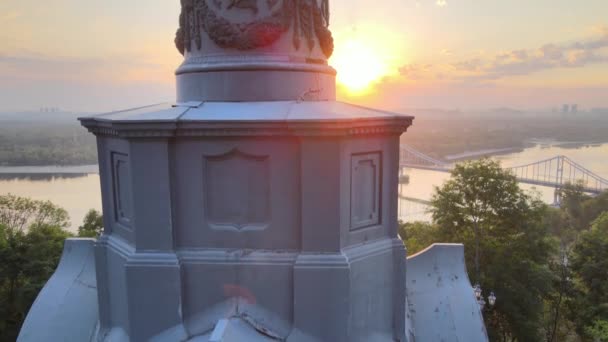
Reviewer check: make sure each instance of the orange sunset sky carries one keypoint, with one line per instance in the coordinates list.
(93, 55)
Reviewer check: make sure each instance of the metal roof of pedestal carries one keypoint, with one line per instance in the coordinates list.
(246, 111)
(273, 117)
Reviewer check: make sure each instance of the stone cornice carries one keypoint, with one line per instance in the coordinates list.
(301, 128)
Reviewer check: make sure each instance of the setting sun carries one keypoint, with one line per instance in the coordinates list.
(358, 66)
(362, 60)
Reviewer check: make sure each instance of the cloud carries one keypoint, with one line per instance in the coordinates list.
(441, 3)
(33, 66)
(9, 15)
(29, 79)
(471, 65)
(517, 62)
(415, 71)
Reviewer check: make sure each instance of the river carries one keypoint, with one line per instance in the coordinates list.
(422, 182)
(77, 188)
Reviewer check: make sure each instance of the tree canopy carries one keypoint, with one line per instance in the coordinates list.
(505, 238)
(31, 242)
(589, 303)
(546, 265)
(19, 213)
(32, 234)
(92, 225)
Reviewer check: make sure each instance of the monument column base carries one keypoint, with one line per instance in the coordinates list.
(351, 296)
(154, 297)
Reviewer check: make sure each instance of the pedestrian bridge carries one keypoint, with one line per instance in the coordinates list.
(553, 172)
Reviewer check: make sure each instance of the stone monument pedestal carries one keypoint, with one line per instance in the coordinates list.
(257, 197)
(282, 214)
(257, 208)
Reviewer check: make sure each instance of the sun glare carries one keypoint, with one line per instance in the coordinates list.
(361, 61)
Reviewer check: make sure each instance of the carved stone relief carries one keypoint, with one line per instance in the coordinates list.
(237, 191)
(308, 19)
(365, 189)
(121, 183)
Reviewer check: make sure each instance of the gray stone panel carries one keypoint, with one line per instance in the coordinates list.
(121, 188)
(117, 253)
(320, 195)
(258, 285)
(264, 215)
(365, 190)
(372, 273)
(150, 168)
(374, 153)
(154, 297)
(115, 177)
(323, 297)
(237, 195)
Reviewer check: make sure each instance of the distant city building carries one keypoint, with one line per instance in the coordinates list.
(574, 108)
(566, 109)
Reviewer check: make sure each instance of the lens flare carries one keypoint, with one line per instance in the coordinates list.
(363, 59)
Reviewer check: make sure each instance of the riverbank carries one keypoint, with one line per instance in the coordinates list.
(50, 170)
(481, 153)
(542, 143)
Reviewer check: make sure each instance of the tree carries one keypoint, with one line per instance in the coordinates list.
(563, 306)
(589, 303)
(559, 224)
(579, 209)
(418, 235)
(503, 230)
(598, 331)
(92, 226)
(19, 213)
(31, 242)
(593, 207)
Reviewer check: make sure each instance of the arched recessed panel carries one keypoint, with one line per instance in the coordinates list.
(365, 190)
(237, 191)
(121, 179)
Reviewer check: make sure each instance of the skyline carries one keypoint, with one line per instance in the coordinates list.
(434, 54)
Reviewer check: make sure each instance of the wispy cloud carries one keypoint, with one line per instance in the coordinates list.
(441, 3)
(9, 15)
(518, 62)
(35, 66)
(30, 80)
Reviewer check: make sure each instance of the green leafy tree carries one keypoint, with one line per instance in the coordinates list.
(418, 235)
(31, 241)
(563, 305)
(507, 243)
(559, 224)
(19, 213)
(593, 207)
(92, 226)
(598, 331)
(572, 198)
(578, 209)
(589, 303)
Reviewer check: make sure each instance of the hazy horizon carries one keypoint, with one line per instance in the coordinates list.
(441, 54)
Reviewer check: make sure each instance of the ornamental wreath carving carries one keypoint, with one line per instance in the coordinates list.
(308, 18)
